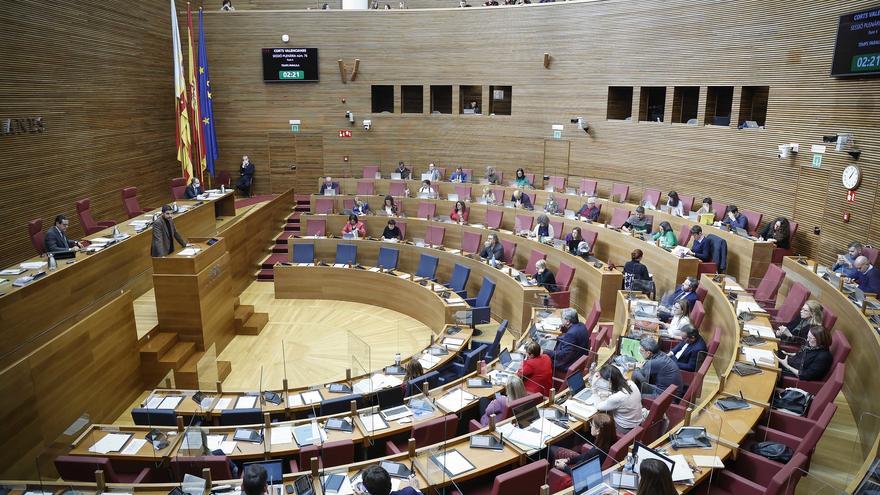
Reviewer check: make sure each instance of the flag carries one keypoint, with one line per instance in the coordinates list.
(198, 146)
(181, 113)
(206, 100)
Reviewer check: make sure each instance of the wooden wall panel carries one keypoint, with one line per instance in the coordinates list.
(99, 73)
(786, 46)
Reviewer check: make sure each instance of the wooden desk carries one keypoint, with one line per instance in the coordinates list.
(146, 453)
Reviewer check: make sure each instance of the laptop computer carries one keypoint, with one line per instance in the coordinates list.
(586, 478)
(395, 175)
(329, 192)
(508, 362)
(630, 347)
(578, 387)
(742, 232)
(452, 197)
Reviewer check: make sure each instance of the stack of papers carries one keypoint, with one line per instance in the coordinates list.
(33, 265)
(428, 361)
(762, 356)
(376, 382)
(112, 442)
(13, 271)
(281, 434)
(579, 409)
(452, 343)
(748, 307)
(456, 400)
(372, 422)
(133, 447)
(762, 331)
(219, 442)
(223, 403)
(708, 461)
(190, 251)
(246, 402)
(452, 462)
(159, 402)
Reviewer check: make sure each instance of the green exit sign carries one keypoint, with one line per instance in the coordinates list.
(291, 74)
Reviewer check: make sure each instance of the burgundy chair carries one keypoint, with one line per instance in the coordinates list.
(714, 341)
(557, 182)
(218, 464)
(471, 242)
(509, 251)
(366, 188)
(558, 228)
(530, 178)
(178, 186)
(588, 187)
(829, 319)
(533, 259)
(499, 193)
(590, 237)
(82, 468)
(347, 204)
(316, 227)
(425, 433)
(779, 253)
(560, 381)
(684, 235)
(531, 197)
(797, 296)
(223, 178)
(755, 476)
(426, 210)
(530, 399)
(463, 192)
(617, 451)
(765, 292)
(402, 226)
(369, 172)
(840, 349)
(493, 218)
(687, 203)
(525, 480)
(38, 237)
(563, 203)
(701, 292)
(694, 381)
(434, 235)
(792, 425)
(619, 217)
(799, 441)
(651, 196)
(130, 202)
(562, 297)
(593, 316)
(619, 193)
(655, 424)
(697, 314)
(469, 172)
(324, 206)
(329, 455)
(719, 209)
(754, 220)
(397, 188)
(871, 253)
(597, 339)
(89, 225)
(522, 222)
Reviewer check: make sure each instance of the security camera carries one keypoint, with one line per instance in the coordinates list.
(829, 139)
(842, 141)
(784, 151)
(350, 117)
(582, 124)
(368, 124)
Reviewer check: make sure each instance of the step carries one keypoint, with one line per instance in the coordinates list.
(294, 217)
(291, 228)
(270, 261)
(279, 248)
(158, 345)
(178, 354)
(265, 275)
(224, 368)
(254, 324)
(187, 376)
(241, 315)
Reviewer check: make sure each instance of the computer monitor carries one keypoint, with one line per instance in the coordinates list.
(576, 382)
(273, 469)
(587, 475)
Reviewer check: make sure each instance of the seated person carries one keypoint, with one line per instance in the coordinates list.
(733, 219)
(488, 195)
(680, 320)
(434, 172)
(255, 480)
(492, 176)
(245, 175)
(402, 170)
(657, 372)
(522, 200)
(377, 481)
(426, 191)
(572, 344)
(624, 402)
(329, 184)
(603, 436)
(676, 207)
(868, 276)
(472, 106)
(536, 371)
(637, 222)
(706, 206)
(513, 390)
(845, 264)
(552, 206)
(193, 189)
(813, 361)
(688, 352)
(361, 207)
(521, 180)
(412, 369)
(392, 231)
(543, 229)
(389, 207)
(56, 238)
(777, 232)
(544, 277)
(687, 291)
(701, 248)
(795, 331)
(583, 250)
(665, 235)
(590, 211)
(458, 175)
(460, 212)
(634, 270)
(354, 226)
(492, 249)
(655, 478)
(573, 239)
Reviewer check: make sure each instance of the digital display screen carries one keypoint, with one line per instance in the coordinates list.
(290, 64)
(857, 51)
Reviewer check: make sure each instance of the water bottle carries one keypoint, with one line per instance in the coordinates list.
(174, 207)
(222, 188)
(52, 263)
(397, 359)
(630, 462)
(116, 233)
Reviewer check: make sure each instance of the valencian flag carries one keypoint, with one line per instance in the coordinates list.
(209, 136)
(198, 143)
(181, 112)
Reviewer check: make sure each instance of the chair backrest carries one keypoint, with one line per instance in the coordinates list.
(588, 187)
(331, 454)
(525, 480)
(754, 219)
(484, 297)
(492, 351)
(460, 276)
(304, 252)
(808, 443)
(237, 417)
(493, 218)
(130, 202)
(617, 451)
(828, 392)
(338, 405)
(415, 385)
(366, 187)
(531, 196)
(396, 188)
(463, 192)
(499, 192)
(770, 283)
(650, 219)
(714, 341)
(871, 253)
(224, 178)
(389, 397)
(346, 254)
(178, 186)
(38, 237)
(786, 479)
(619, 193)
(82, 468)
(792, 229)
(590, 237)
(619, 217)
(427, 266)
(687, 203)
(426, 210)
(218, 464)
(651, 196)
(530, 178)
(434, 235)
(470, 358)
(684, 235)
(593, 317)
(522, 222)
(563, 277)
(720, 209)
(797, 296)
(316, 226)
(402, 226)
(653, 423)
(562, 202)
(557, 182)
(533, 258)
(532, 399)
(347, 204)
(388, 257)
(695, 387)
(471, 241)
(701, 291)
(370, 172)
(509, 251)
(698, 312)
(154, 417)
(558, 228)
(435, 430)
(579, 364)
(324, 206)
(840, 347)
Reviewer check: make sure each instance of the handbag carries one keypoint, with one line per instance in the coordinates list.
(792, 400)
(774, 451)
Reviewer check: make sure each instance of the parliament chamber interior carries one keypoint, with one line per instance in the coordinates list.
(427, 246)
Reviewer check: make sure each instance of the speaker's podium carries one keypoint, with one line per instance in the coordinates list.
(194, 299)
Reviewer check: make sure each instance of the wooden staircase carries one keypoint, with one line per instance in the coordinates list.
(247, 322)
(165, 352)
(279, 249)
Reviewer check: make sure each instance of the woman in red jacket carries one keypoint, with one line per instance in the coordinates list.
(459, 212)
(537, 371)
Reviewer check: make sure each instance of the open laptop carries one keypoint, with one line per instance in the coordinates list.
(452, 197)
(579, 389)
(630, 347)
(510, 363)
(742, 232)
(329, 192)
(586, 478)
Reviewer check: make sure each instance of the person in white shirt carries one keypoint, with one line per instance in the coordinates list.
(679, 320)
(625, 401)
(675, 204)
(426, 191)
(543, 229)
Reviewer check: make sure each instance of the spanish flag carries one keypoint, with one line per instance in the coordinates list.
(181, 102)
(198, 142)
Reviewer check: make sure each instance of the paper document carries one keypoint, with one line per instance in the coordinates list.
(12, 271)
(372, 422)
(312, 397)
(134, 446)
(453, 462)
(456, 400)
(524, 439)
(100, 240)
(189, 251)
(681, 471)
(762, 356)
(170, 402)
(246, 402)
(294, 400)
(759, 330)
(112, 442)
(33, 265)
(153, 403)
(375, 269)
(708, 461)
(339, 265)
(223, 404)
(748, 306)
(453, 343)
(281, 434)
(582, 411)
(215, 442)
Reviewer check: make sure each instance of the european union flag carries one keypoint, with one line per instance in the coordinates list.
(206, 102)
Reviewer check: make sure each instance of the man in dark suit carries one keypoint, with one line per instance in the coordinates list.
(657, 372)
(56, 238)
(245, 176)
(701, 248)
(193, 189)
(572, 344)
(687, 291)
(329, 184)
(492, 249)
(868, 277)
(688, 352)
(164, 234)
(377, 481)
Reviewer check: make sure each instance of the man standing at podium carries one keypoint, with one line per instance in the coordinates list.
(164, 234)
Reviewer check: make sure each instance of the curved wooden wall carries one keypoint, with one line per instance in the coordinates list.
(593, 45)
